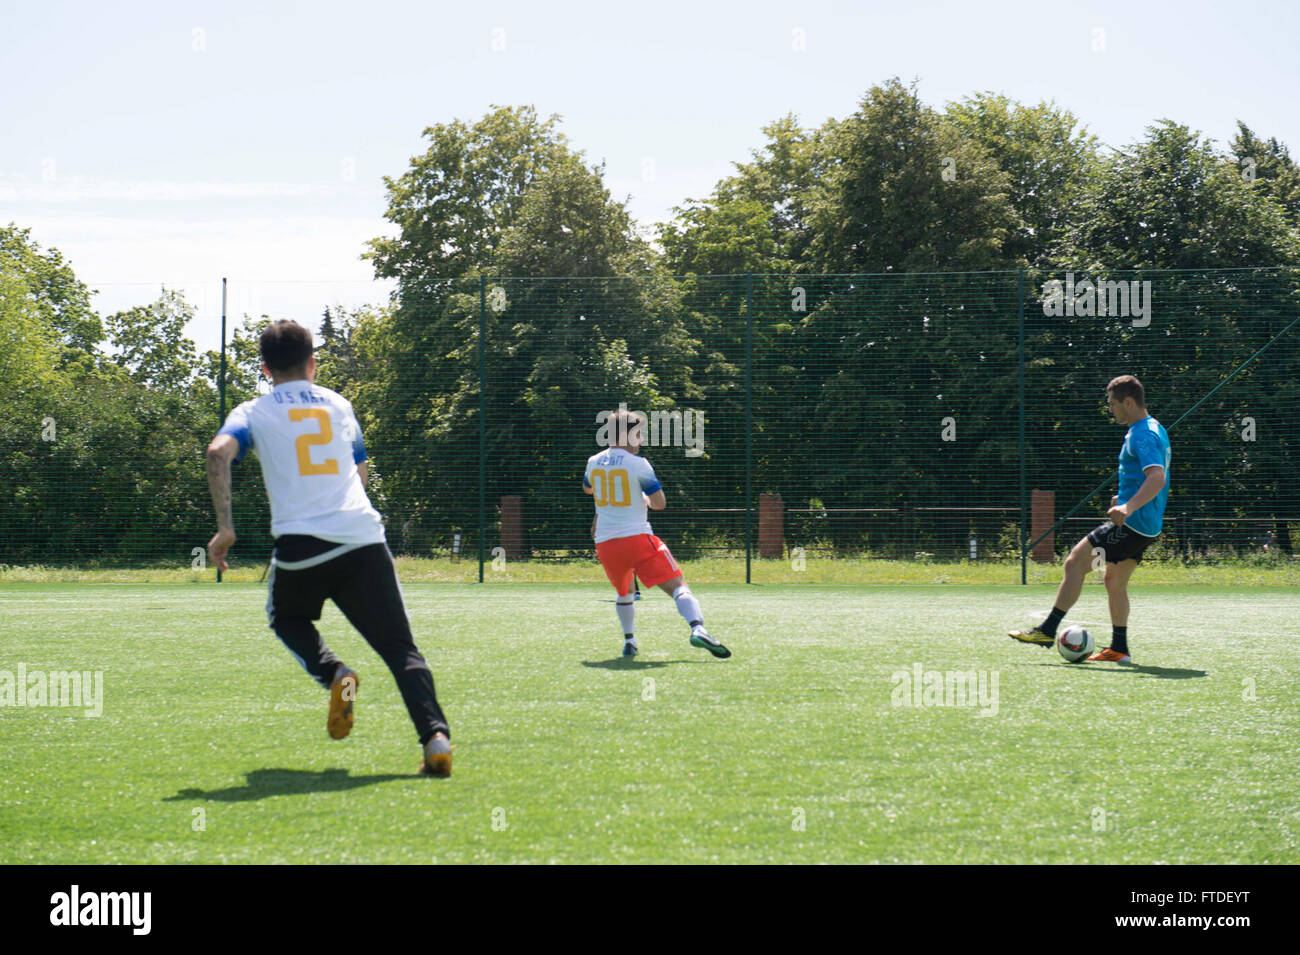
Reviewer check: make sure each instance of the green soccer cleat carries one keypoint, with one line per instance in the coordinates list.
(1035, 636)
(700, 638)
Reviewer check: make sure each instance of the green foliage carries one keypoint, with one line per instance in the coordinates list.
(885, 204)
(29, 344)
(151, 345)
(1174, 203)
(456, 201)
(830, 299)
(1270, 166)
(756, 220)
(62, 300)
(1048, 158)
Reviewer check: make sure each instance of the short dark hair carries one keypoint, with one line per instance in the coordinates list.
(285, 345)
(1127, 386)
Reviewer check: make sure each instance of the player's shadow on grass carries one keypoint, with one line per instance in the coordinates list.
(632, 663)
(284, 782)
(1159, 673)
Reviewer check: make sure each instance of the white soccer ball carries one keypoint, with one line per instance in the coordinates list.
(1075, 644)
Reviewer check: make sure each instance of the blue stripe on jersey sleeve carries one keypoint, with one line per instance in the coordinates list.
(358, 448)
(241, 434)
(650, 485)
(585, 482)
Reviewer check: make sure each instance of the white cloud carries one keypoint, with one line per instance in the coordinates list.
(82, 189)
(289, 266)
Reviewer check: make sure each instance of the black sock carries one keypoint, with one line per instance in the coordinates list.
(1052, 622)
(1119, 639)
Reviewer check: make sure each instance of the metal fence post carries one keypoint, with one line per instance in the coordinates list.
(1024, 559)
(221, 380)
(482, 422)
(749, 423)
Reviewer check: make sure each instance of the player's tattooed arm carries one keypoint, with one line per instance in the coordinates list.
(220, 453)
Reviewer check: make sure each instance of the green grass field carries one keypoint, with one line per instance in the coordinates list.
(795, 750)
(1272, 571)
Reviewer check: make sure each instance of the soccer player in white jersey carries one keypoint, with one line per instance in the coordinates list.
(623, 485)
(329, 541)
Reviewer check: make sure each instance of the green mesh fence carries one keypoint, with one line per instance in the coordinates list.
(1230, 409)
(896, 415)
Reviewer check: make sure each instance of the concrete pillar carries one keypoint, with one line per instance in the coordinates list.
(771, 526)
(512, 526)
(1042, 514)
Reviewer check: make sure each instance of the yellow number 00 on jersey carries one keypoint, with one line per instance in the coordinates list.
(304, 442)
(605, 489)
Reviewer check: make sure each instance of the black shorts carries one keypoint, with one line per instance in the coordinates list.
(360, 580)
(1119, 543)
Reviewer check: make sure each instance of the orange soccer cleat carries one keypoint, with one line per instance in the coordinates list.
(1110, 656)
(437, 757)
(342, 693)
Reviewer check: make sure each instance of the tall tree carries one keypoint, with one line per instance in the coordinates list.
(150, 342)
(547, 338)
(1167, 211)
(904, 191)
(458, 198)
(60, 295)
(1270, 166)
(1049, 158)
(1171, 201)
(757, 219)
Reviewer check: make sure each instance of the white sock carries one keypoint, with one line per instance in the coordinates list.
(687, 605)
(626, 613)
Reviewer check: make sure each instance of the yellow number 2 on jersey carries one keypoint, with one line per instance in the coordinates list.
(304, 441)
(605, 487)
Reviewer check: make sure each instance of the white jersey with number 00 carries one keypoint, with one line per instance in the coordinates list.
(616, 479)
(309, 445)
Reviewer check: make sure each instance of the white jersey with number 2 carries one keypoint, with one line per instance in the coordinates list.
(616, 479)
(309, 444)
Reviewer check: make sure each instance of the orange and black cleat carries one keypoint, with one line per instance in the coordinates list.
(343, 691)
(437, 757)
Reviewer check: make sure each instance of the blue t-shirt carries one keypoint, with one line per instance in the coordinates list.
(1146, 444)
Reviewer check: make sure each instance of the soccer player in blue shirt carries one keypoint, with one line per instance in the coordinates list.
(1134, 521)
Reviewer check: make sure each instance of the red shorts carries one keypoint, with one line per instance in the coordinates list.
(644, 554)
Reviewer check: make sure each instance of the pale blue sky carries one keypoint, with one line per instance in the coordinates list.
(179, 142)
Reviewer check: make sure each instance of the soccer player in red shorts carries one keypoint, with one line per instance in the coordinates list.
(623, 485)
